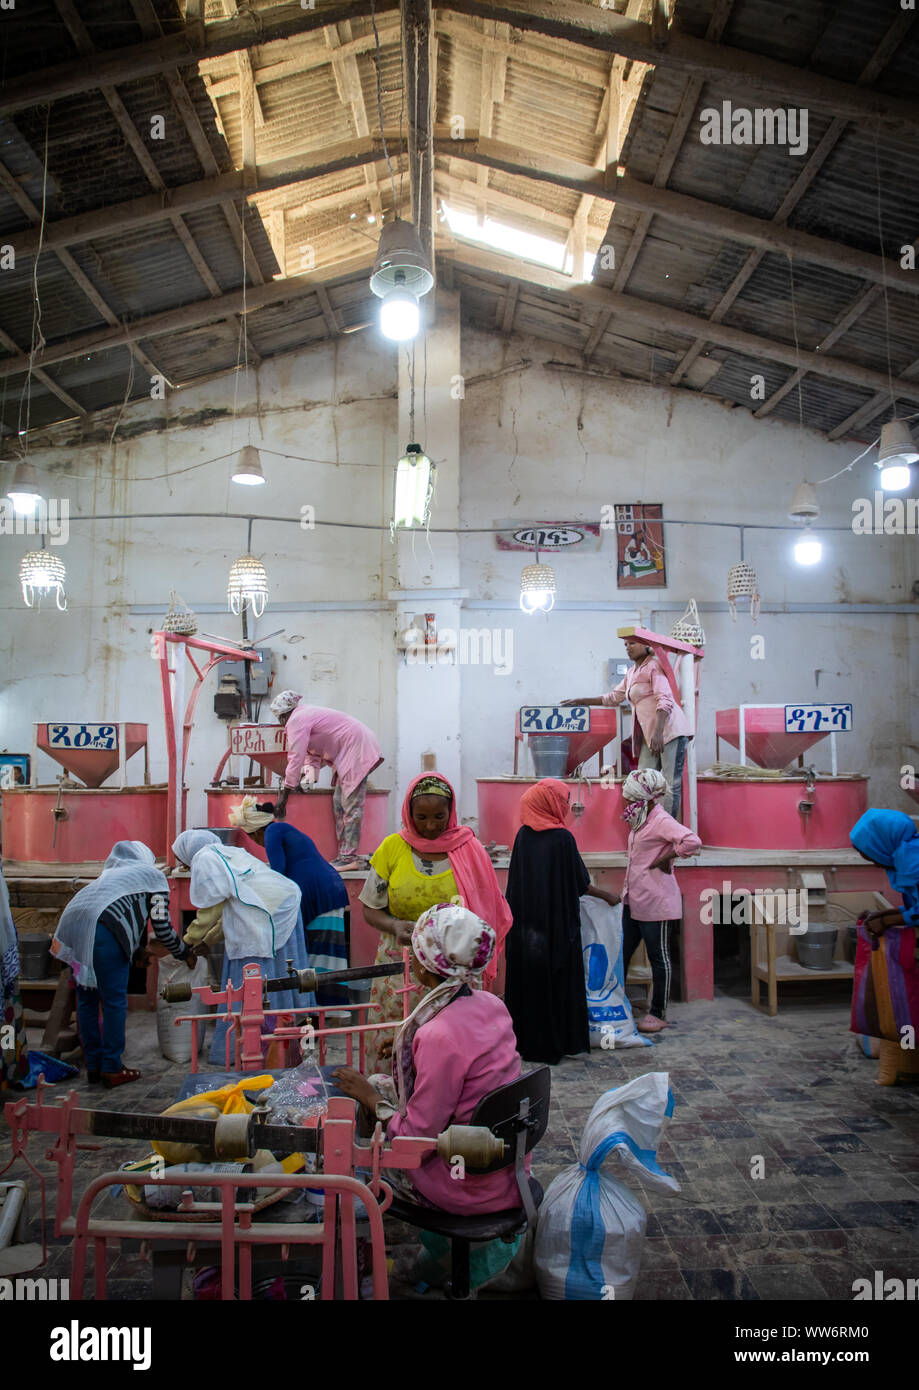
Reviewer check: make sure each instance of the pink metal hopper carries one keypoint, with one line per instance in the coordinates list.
(265, 744)
(767, 744)
(89, 751)
(584, 746)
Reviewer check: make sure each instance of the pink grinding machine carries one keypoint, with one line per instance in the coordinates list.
(561, 739)
(802, 809)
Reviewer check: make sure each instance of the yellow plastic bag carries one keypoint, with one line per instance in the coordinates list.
(209, 1105)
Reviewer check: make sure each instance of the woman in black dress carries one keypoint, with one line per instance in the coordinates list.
(545, 991)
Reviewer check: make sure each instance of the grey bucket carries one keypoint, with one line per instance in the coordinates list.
(816, 947)
(34, 956)
(550, 754)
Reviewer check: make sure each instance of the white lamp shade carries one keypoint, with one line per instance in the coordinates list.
(896, 448)
(804, 502)
(808, 550)
(247, 586)
(537, 588)
(24, 491)
(400, 261)
(414, 485)
(248, 470)
(400, 317)
(39, 574)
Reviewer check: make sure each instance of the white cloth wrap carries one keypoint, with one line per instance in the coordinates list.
(261, 907)
(75, 937)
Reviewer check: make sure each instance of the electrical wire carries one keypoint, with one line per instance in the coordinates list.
(379, 67)
(38, 341)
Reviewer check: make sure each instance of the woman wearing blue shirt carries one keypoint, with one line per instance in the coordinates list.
(890, 840)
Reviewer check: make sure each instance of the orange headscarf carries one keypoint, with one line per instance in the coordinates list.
(545, 806)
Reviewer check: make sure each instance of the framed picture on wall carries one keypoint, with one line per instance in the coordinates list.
(640, 561)
(14, 770)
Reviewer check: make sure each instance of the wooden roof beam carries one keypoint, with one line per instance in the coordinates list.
(815, 161)
(755, 75)
(248, 29)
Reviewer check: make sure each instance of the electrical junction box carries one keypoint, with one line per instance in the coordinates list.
(259, 671)
(617, 670)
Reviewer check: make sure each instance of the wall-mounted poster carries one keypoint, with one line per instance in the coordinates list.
(640, 546)
(14, 770)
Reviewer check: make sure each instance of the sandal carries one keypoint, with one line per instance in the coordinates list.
(119, 1078)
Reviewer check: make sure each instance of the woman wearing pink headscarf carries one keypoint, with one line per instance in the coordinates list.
(432, 859)
(545, 990)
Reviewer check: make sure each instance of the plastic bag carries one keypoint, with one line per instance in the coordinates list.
(609, 1012)
(209, 1105)
(297, 1096)
(591, 1227)
(175, 1041)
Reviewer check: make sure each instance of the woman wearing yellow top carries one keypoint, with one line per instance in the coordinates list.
(431, 860)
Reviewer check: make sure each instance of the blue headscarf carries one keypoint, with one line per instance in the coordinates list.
(891, 839)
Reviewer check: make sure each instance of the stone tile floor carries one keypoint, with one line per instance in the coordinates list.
(790, 1097)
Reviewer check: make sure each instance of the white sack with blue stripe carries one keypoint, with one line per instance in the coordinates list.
(609, 1013)
(591, 1227)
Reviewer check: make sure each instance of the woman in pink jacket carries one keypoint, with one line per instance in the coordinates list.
(658, 722)
(318, 736)
(650, 894)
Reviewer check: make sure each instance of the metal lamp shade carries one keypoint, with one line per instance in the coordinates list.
(39, 573)
(400, 262)
(897, 446)
(248, 585)
(248, 468)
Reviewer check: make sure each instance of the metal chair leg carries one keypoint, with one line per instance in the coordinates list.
(458, 1287)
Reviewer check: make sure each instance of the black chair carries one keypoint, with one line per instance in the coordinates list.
(518, 1114)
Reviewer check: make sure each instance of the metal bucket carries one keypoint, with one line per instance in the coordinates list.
(550, 755)
(34, 956)
(816, 947)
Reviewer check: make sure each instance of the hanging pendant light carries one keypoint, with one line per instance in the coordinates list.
(247, 586)
(896, 453)
(400, 277)
(537, 587)
(808, 550)
(39, 573)
(24, 491)
(248, 468)
(415, 475)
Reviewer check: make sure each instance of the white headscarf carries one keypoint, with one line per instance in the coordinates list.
(128, 870)
(261, 907)
(191, 841)
(642, 788)
(246, 816)
(287, 700)
(127, 852)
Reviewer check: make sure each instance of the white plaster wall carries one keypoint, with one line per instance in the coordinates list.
(523, 455)
(541, 445)
(93, 662)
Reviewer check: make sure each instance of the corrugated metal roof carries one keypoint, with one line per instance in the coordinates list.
(866, 195)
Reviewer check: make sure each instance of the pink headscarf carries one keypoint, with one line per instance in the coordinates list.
(545, 806)
(476, 881)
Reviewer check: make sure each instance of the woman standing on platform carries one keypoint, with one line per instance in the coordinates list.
(658, 722)
(545, 991)
(650, 895)
(99, 931)
(431, 860)
(323, 895)
(260, 916)
(317, 736)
